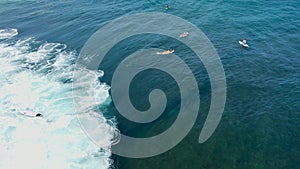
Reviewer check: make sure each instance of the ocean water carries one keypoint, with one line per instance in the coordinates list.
(40, 42)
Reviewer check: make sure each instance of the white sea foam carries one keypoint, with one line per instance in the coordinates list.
(35, 80)
(8, 33)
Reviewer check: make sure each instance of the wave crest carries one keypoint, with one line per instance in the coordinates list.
(36, 78)
(8, 33)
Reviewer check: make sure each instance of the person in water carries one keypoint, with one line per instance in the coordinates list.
(169, 51)
(244, 43)
(167, 6)
(184, 34)
(39, 115)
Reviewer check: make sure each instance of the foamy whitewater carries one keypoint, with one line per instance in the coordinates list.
(37, 76)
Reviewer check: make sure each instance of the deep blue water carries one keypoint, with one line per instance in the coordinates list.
(260, 127)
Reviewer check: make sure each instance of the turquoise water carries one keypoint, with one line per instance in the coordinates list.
(260, 127)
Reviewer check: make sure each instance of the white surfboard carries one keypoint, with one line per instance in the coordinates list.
(243, 44)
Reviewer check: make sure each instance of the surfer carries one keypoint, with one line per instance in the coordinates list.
(38, 115)
(169, 51)
(184, 34)
(167, 6)
(244, 43)
(31, 113)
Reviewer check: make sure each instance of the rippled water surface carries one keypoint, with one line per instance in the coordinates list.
(260, 127)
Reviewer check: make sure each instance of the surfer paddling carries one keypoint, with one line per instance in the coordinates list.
(184, 34)
(169, 51)
(29, 113)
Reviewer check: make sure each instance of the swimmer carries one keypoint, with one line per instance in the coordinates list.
(184, 34)
(244, 40)
(169, 51)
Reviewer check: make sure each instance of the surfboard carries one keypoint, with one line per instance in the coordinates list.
(243, 44)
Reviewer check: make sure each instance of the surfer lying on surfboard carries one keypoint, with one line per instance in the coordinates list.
(184, 34)
(169, 51)
(30, 113)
